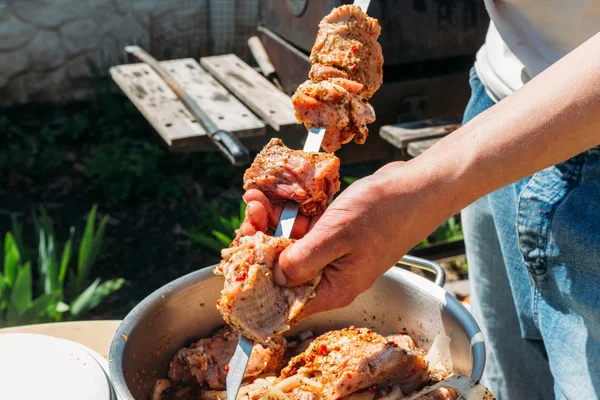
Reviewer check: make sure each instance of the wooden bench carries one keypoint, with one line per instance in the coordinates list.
(236, 98)
(413, 138)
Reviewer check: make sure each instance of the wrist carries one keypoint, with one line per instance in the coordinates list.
(445, 174)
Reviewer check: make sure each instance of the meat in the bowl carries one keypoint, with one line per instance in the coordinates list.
(205, 362)
(351, 364)
(348, 360)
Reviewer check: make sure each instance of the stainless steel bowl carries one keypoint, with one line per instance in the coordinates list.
(184, 310)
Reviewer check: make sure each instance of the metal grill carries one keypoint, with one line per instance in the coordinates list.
(194, 28)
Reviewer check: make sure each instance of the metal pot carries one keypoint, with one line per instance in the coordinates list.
(184, 310)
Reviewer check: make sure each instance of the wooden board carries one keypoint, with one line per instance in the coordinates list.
(415, 149)
(257, 93)
(401, 135)
(169, 117)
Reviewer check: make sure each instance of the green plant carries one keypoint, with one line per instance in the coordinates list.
(449, 231)
(349, 180)
(128, 167)
(217, 231)
(61, 292)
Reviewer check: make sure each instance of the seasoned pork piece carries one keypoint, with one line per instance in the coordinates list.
(250, 301)
(206, 361)
(351, 359)
(334, 104)
(310, 179)
(347, 42)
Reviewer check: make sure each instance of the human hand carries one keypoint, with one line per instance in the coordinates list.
(363, 232)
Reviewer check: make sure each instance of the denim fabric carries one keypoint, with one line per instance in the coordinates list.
(533, 249)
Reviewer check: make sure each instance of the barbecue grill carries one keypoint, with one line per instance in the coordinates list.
(428, 47)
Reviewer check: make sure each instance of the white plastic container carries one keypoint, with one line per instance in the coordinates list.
(34, 367)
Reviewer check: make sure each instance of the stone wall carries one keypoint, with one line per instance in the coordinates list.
(51, 50)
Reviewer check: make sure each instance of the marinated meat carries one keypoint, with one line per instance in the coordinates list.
(310, 179)
(206, 361)
(299, 344)
(347, 68)
(348, 360)
(349, 364)
(335, 105)
(250, 301)
(347, 42)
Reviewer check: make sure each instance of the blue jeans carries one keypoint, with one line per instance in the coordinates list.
(533, 250)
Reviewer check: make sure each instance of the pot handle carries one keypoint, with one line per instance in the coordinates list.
(440, 274)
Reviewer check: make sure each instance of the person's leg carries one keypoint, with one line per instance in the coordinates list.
(515, 368)
(559, 234)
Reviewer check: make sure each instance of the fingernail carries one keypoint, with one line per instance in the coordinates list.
(278, 275)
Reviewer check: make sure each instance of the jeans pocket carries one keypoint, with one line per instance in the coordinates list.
(536, 206)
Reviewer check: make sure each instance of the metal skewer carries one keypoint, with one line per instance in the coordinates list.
(239, 361)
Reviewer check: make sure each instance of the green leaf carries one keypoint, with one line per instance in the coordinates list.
(242, 210)
(85, 251)
(64, 261)
(37, 309)
(47, 264)
(3, 294)
(12, 258)
(102, 291)
(222, 238)
(81, 303)
(94, 295)
(205, 240)
(224, 223)
(349, 180)
(98, 239)
(89, 248)
(17, 232)
(62, 307)
(20, 296)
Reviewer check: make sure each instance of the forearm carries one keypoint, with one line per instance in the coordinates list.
(551, 119)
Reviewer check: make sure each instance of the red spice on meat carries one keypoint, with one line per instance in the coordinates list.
(242, 276)
(323, 350)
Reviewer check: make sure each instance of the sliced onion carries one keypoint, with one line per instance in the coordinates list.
(465, 386)
(396, 393)
(440, 352)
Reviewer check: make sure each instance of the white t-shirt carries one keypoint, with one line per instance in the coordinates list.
(527, 36)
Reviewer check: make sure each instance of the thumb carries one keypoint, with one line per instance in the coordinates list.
(301, 261)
